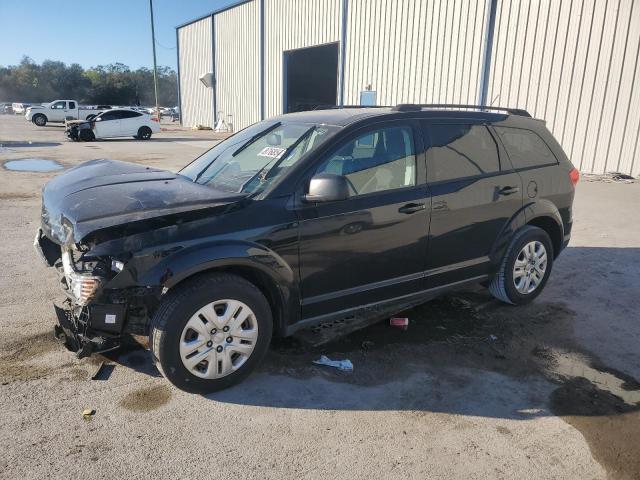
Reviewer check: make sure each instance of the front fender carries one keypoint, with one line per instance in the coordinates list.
(182, 263)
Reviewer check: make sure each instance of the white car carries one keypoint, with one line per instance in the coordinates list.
(119, 122)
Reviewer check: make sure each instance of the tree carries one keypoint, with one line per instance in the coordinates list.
(114, 84)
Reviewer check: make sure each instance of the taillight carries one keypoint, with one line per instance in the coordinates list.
(574, 176)
(154, 119)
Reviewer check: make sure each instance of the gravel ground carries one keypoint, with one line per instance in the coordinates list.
(473, 389)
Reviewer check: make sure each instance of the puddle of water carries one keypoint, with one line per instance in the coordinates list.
(33, 165)
(576, 366)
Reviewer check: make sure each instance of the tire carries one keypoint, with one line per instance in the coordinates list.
(144, 133)
(517, 291)
(183, 307)
(39, 120)
(86, 135)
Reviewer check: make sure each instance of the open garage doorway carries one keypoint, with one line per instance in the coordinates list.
(310, 77)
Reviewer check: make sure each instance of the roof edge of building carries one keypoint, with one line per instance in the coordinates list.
(214, 12)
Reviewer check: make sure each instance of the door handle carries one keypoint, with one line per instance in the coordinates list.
(508, 190)
(411, 208)
(441, 205)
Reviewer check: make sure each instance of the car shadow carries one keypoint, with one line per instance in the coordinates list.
(464, 353)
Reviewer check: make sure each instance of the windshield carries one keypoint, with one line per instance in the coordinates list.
(253, 158)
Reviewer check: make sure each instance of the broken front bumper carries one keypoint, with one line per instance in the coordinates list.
(87, 330)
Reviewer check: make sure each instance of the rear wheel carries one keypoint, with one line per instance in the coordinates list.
(525, 267)
(40, 120)
(211, 332)
(144, 133)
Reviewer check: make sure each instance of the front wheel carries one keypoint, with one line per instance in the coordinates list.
(525, 267)
(40, 120)
(211, 332)
(87, 135)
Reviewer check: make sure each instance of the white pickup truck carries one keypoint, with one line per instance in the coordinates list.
(60, 111)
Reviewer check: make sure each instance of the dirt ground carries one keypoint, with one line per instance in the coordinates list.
(473, 389)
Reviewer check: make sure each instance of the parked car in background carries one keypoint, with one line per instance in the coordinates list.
(307, 218)
(5, 108)
(58, 111)
(122, 122)
(20, 108)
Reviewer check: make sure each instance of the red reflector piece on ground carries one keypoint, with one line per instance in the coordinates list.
(398, 322)
(574, 176)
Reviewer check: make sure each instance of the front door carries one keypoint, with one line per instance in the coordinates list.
(372, 246)
(58, 111)
(475, 193)
(109, 126)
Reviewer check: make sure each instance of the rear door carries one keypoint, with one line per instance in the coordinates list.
(475, 193)
(130, 122)
(372, 246)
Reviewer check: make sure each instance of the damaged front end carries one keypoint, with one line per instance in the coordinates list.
(93, 318)
(104, 224)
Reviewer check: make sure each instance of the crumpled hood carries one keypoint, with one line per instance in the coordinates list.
(104, 193)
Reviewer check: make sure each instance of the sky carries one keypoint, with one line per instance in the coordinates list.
(95, 32)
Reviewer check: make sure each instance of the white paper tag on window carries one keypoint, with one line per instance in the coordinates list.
(272, 152)
(110, 319)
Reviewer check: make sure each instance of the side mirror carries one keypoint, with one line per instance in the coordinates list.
(327, 187)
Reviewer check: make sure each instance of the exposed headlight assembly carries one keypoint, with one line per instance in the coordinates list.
(82, 286)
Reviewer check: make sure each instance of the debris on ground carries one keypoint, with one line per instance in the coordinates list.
(367, 345)
(493, 338)
(103, 371)
(88, 413)
(97, 371)
(344, 365)
(400, 322)
(608, 177)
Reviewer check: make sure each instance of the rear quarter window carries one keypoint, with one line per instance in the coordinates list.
(461, 151)
(525, 148)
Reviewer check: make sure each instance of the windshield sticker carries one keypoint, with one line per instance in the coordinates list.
(272, 152)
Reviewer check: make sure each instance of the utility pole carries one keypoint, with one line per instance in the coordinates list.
(155, 67)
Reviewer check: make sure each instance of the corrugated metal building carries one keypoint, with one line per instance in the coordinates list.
(573, 63)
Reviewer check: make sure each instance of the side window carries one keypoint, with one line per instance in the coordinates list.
(129, 114)
(525, 148)
(379, 160)
(110, 116)
(72, 105)
(459, 151)
(58, 105)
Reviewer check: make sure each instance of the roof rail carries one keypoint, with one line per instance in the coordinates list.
(412, 107)
(338, 107)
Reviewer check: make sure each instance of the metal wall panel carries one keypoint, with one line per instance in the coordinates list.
(291, 24)
(574, 63)
(415, 51)
(237, 44)
(195, 57)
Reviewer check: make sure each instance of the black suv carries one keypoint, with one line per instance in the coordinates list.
(303, 219)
